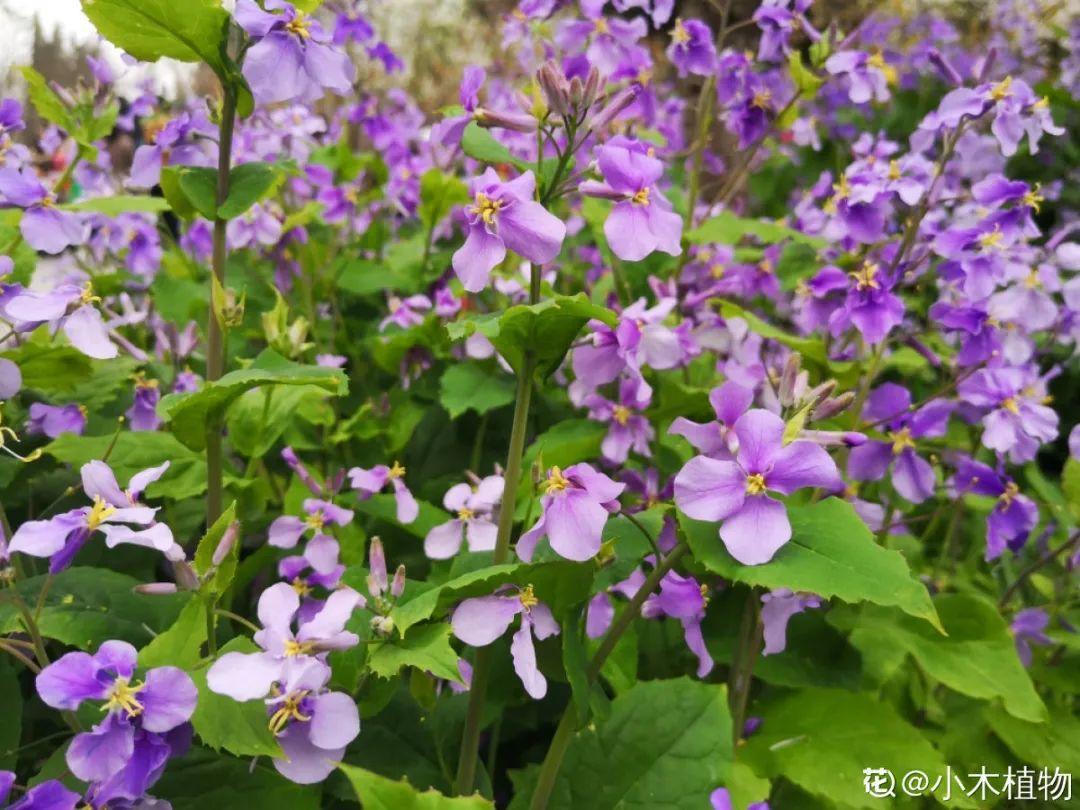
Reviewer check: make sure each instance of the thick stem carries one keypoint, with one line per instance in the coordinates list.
(215, 337)
(549, 770)
(470, 738)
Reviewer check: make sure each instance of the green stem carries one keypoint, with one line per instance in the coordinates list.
(1047, 558)
(742, 664)
(211, 627)
(215, 337)
(470, 738)
(549, 770)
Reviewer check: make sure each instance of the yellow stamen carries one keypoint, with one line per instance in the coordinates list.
(866, 277)
(299, 26)
(556, 481)
(717, 270)
(894, 170)
(122, 697)
(1033, 199)
(992, 240)
(621, 414)
(396, 471)
(1006, 497)
(302, 589)
(87, 296)
(641, 197)
(99, 513)
(601, 26)
(315, 520)
(486, 207)
(901, 440)
(1011, 405)
(290, 710)
(1001, 90)
(465, 514)
(528, 598)
(1032, 281)
(761, 99)
(679, 34)
(294, 648)
(755, 484)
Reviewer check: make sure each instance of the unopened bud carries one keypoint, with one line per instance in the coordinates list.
(492, 119)
(156, 588)
(397, 587)
(224, 546)
(185, 576)
(621, 100)
(553, 84)
(834, 438)
(377, 582)
(788, 377)
(944, 67)
(834, 406)
(820, 393)
(591, 88)
(577, 92)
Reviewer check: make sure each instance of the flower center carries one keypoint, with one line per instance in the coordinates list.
(901, 440)
(1002, 90)
(87, 296)
(315, 520)
(299, 26)
(1032, 281)
(866, 277)
(621, 414)
(1033, 199)
(302, 589)
(679, 34)
(641, 197)
(556, 481)
(528, 598)
(1011, 405)
(992, 240)
(894, 170)
(755, 484)
(761, 99)
(99, 513)
(396, 471)
(465, 514)
(122, 697)
(294, 648)
(486, 208)
(289, 710)
(1006, 497)
(601, 26)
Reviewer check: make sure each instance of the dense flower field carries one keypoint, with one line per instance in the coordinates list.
(670, 424)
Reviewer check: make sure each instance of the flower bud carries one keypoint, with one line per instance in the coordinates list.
(491, 119)
(553, 84)
(382, 626)
(397, 586)
(820, 393)
(619, 102)
(185, 576)
(790, 374)
(377, 581)
(224, 546)
(591, 88)
(577, 92)
(834, 438)
(944, 67)
(156, 588)
(833, 406)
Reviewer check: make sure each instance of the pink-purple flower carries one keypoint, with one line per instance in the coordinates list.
(576, 505)
(474, 506)
(368, 482)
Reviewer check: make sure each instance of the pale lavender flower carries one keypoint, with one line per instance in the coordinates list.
(52, 420)
(286, 530)
(474, 506)
(44, 226)
(576, 505)
(368, 482)
(777, 608)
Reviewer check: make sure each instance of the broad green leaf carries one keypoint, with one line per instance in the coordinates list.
(45, 100)
(248, 184)
(730, 229)
(546, 329)
(50, 369)
(175, 195)
(225, 724)
(258, 418)
(977, 658)
(439, 193)
(86, 606)
(201, 780)
(181, 644)
(191, 415)
(821, 739)
(798, 261)
(479, 143)
(567, 443)
(120, 204)
(199, 187)
(474, 386)
(560, 585)
(1070, 485)
(1053, 744)
(666, 744)
(379, 793)
(185, 478)
(426, 648)
(831, 553)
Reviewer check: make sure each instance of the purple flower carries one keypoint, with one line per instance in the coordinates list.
(575, 508)
(1016, 420)
(474, 505)
(44, 226)
(173, 144)
(642, 220)
(870, 305)
(912, 476)
(407, 312)
(292, 56)
(777, 22)
(163, 701)
(68, 307)
(478, 622)
(317, 567)
(1029, 627)
(1012, 517)
(313, 725)
(869, 75)
(777, 608)
(504, 215)
(286, 530)
(716, 439)
(113, 513)
(754, 525)
(368, 482)
(142, 415)
(691, 49)
(52, 420)
(627, 429)
(246, 676)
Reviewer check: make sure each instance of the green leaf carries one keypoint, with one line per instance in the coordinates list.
(86, 606)
(1070, 485)
(821, 739)
(120, 204)
(479, 143)
(547, 329)
(258, 418)
(473, 386)
(225, 724)
(174, 194)
(831, 553)
(427, 648)
(560, 585)
(1053, 744)
(729, 229)
(50, 369)
(135, 451)
(181, 644)
(191, 415)
(48, 105)
(977, 658)
(248, 184)
(384, 507)
(439, 193)
(204, 553)
(666, 744)
(202, 779)
(566, 443)
(199, 187)
(379, 793)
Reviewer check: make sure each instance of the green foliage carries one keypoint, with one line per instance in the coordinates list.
(379, 793)
(426, 648)
(831, 553)
(439, 194)
(472, 386)
(729, 229)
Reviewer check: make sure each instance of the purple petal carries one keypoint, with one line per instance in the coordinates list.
(478, 622)
(474, 260)
(710, 489)
(574, 523)
(243, 676)
(524, 655)
(803, 464)
(168, 699)
(761, 435)
(70, 680)
(96, 755)
(757, 531)
(335, 721)
(87, 332)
